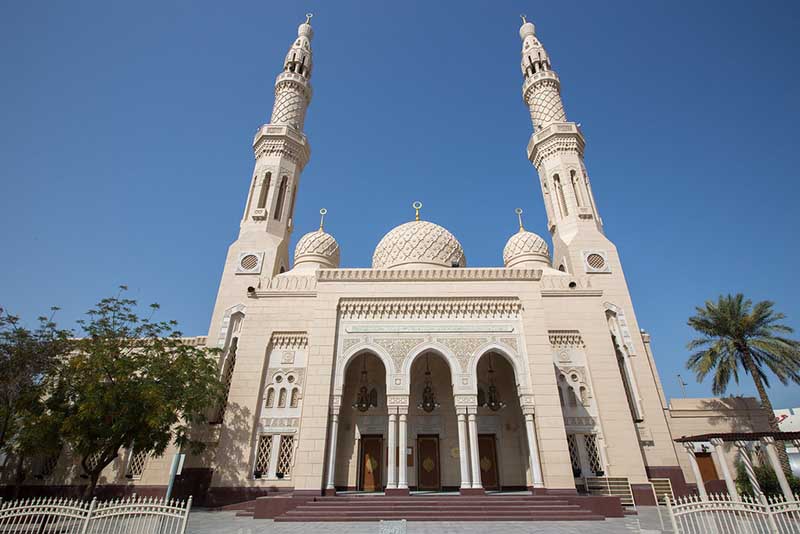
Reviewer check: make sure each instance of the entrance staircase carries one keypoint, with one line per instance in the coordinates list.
(439, 508)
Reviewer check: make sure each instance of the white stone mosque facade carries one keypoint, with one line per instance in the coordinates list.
(421, 373)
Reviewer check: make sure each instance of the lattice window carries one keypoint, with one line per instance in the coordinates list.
(136, 464)
(263, 455)
(285, 457)
(574, 458)
(594, 454)
(94, 460)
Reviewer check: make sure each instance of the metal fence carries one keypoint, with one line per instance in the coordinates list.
(132, 515)
(722, 515)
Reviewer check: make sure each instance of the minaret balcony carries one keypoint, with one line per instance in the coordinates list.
(530, 81)
(540, 145)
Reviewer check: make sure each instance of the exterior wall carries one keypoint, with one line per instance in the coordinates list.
(690, 417)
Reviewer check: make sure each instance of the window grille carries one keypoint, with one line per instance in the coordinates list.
(94, 460)
(263, 455)
(574, 459)
(136, 464)
(594, 455)
(285, 457)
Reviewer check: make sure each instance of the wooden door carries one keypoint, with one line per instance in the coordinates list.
(706, 464)
(428, 469)
(371, 463)
(487, 454)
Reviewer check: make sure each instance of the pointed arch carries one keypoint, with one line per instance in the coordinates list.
(514, 359)
(351, 354)
(439, 350)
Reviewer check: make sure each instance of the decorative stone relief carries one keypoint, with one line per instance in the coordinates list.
(289, 340)
(349, 343)
(463, 347)
(511, 342)
(418, 242)
(430, 308)
(565, 338)
(398, 348)
(397, 400)
(465, 400)
(297, 372)
(287, 357)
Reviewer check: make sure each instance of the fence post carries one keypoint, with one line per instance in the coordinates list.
(773, 526)
(672, 519)
(85, 527)
(186, 515)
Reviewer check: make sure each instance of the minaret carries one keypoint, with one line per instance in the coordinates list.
(281, 152)
(556, 150)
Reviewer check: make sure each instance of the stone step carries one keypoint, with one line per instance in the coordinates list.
(435, 506)
(443, 517)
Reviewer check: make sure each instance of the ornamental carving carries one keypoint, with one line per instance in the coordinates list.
(465, 400)
(289, 340)
(287, 357)
(463, 347)
(510, 342)
(398, 348)
(297, 372)
(430, 308)
(433, 274)
(566, 338)
(397, 400)
(523, 243)
(349, 343)
(418, 242)
(317, 243)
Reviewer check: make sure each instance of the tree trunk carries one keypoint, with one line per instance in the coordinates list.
(767, 405)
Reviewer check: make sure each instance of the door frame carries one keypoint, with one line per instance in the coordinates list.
(496, 465)
(360, 470)
(438, 462)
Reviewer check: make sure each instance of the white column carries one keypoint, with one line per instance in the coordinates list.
(474, 453)
(696, 471)
(748, 467)
(391, 472)
(533, 452)
(402, 461)
(726, 472)
(463, 451)
(332, 450)
(775, 462)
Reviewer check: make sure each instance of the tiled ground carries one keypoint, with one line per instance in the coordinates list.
(646, 522)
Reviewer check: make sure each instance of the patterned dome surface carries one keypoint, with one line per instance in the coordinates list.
(525, 244)
(418, 243)
(315, 244)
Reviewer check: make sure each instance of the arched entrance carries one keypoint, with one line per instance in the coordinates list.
(361, 439)
(502, 440)
(433, 462)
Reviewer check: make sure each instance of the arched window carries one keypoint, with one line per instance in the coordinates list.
(282, 398)
(295, 398)
(281, 197)
(577, 187)
(270, 398)
(262, 196)
(229, 363)
(562, 203)
(561, 396)
(573, 400)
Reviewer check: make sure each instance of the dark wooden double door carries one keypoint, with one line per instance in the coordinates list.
(429, 468)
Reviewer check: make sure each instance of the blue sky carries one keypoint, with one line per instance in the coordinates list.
(126, 131)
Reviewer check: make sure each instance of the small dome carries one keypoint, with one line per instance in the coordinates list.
(525, 249)
(527, 29)
(316, 249)
(418, 244)
(305, 30)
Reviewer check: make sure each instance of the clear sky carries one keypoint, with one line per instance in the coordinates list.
(126, 131)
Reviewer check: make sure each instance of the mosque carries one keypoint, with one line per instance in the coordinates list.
(421, 374)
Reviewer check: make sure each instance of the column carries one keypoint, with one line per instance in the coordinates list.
(402, 459)
(331, 453)
(696, 471)
(775, 462)
(391, 472)
(474, 453)
(463, 451)
(748, 466)
(726, 472)
(533, 452)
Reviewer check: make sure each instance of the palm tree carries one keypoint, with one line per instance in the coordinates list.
(737, 334)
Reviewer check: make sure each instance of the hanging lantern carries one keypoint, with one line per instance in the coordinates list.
(493, 396)
(428, 403)
(363, 403)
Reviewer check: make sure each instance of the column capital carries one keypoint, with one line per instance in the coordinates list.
(796, 443)
(689, 446)
(768, 440)
(528, 409)
(742, 444)
(717, 442)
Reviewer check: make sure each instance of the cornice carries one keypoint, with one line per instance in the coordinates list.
(430, 308)
(427, 275)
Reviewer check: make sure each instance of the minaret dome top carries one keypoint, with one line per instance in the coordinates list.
(305, 29)
(526, 29)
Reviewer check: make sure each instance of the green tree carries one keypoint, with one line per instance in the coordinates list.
(26, 358)
(130, 383)
(736, 334)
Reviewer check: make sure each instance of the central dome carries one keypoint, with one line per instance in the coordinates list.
(418, 244)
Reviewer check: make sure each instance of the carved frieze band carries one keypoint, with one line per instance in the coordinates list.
(566, 338)
(289, 340)
(431, 308)
(404, 275)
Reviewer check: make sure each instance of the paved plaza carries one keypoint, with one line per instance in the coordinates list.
(646, 522)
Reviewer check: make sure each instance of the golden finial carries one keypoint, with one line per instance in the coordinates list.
(518, 211)
(308, 17)
(524, 20)
(417, 205)
(322, 213)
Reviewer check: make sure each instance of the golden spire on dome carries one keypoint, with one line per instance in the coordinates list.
(417, 205)
(518, 211)
(322, 213)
